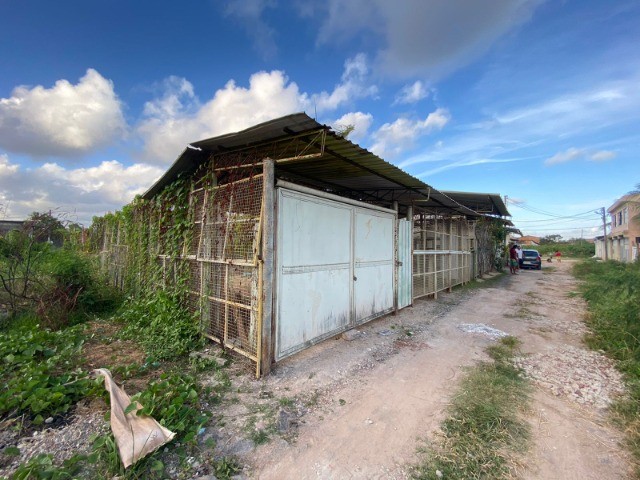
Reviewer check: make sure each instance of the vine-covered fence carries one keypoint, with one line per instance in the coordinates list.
(199, 237)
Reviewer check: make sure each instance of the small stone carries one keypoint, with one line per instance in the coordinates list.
(49, 420)
(438, 474)
(351, 335)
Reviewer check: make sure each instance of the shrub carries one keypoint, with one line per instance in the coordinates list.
(162, 325)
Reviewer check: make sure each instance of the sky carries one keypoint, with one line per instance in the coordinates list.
(536, 100)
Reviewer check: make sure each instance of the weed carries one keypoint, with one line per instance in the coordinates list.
(612, 292)
(225, 468)
(158, 321)
(286, 402)
(41, 467)
(313, 399)
(40, 376)
(483, 427)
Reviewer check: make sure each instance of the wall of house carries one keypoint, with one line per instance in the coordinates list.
(623, 238)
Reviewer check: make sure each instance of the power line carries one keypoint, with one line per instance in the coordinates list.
(596, 227)
(542, 212)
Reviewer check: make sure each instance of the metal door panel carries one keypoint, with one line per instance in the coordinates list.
(405, 277)
(314, 270)
(373, 268)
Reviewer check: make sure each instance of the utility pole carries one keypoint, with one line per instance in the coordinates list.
(603, 212)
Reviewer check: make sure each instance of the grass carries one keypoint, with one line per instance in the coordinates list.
(487, 282)
(484, 430)
(612, 292)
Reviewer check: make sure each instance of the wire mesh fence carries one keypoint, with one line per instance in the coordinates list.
(225, 269)
(220, 257)
(442, 253)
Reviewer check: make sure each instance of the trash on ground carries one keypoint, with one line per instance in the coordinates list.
(482, 329)
(136, 435)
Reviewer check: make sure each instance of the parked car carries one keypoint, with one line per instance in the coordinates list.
(531, 259)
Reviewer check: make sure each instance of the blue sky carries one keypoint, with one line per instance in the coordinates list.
(536, 100)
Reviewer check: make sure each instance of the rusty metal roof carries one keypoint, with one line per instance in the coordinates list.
(311, 153)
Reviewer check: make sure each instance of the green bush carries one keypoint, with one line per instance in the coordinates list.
(159, 322)
(60, 285)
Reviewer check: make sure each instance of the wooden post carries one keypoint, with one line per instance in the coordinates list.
(268, 233)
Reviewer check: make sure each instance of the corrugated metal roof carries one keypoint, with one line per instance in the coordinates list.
(338, 166)
(488, 203)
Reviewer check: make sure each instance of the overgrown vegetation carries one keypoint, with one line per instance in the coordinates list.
(578, 248)
(59, 285)
(40, 373)
(490, 237)
(49, 291)
(161, 325)
(484, 430)
(612, 291)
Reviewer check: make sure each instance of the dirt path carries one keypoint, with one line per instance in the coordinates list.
(369, 400)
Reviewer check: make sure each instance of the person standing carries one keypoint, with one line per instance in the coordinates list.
(513, 260)
(558, 256)
(519, 251)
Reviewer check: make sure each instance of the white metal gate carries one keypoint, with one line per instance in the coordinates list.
(335, 268)
(405, 272)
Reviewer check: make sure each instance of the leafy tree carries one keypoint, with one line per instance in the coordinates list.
(45, 227)
(550, 239)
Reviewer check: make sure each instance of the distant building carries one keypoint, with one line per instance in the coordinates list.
(7, 226)
(623, 240)
(529, 240)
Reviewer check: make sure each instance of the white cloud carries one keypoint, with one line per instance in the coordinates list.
(360, 121)
(580, 153)
(420, 37)
(79, 193)
(354, 85)
(393, 138)
(602, 156)
(249, 13)
(65, 120)
(412, 93)
(566, 156)
(177, 117)
(521, 132)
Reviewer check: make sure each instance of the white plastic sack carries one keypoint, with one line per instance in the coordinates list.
(136, 436)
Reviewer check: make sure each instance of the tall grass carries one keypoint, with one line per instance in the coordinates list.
(612, 291)
(484, 428)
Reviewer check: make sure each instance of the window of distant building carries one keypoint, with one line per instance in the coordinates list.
(625, 218)
(613, 221)
(620, 217)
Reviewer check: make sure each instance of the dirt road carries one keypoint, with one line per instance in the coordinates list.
(370, 399)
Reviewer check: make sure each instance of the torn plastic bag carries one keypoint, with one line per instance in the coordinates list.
(136, 436)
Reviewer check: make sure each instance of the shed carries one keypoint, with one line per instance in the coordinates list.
(300, 234)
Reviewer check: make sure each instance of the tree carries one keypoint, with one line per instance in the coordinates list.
(635, 191)
(550, 239)
(44, 227)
